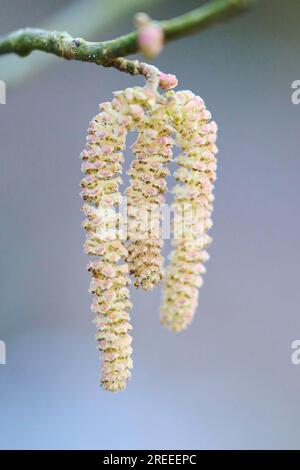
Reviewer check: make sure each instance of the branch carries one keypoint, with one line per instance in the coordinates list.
(108, 53)
(81, 17)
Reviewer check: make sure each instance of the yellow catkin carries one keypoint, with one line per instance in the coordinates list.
(133, 246)
(102, 162)
(196, 136)
(145, 195)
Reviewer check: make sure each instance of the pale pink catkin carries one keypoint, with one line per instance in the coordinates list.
(196, 136)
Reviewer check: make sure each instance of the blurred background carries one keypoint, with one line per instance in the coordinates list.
(228, 381)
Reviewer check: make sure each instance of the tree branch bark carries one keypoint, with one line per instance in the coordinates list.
(23, 41)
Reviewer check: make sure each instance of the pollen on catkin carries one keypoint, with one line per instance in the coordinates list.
(131, 245)
(196, 136)
(145, 196)
(102, 162)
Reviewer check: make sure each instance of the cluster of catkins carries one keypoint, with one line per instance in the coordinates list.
(130, 244)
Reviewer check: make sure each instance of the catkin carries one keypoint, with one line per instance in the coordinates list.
(196, 136)
(132, 245)
(145, 196)
(102, 162)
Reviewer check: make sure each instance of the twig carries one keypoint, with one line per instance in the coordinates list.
(84, 18)
(108, 53)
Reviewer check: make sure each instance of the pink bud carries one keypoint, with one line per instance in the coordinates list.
(151, 40)
(167, 81)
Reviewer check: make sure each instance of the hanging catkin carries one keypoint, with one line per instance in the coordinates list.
(153, 150)
(196, 136)
(102, 162)
(102, 159)
(132, 245)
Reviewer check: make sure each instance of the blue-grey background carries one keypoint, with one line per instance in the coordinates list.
(227, 381)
